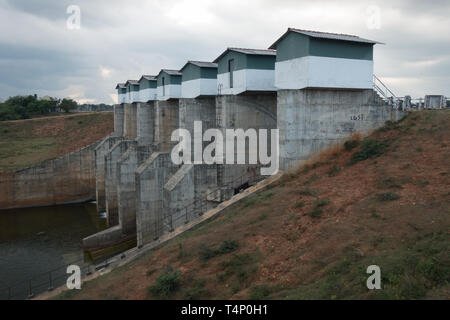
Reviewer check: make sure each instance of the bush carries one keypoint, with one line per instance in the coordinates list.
(228, 246)
(206, 252)
(306, 192)
(387, 196)
(259, 292)
(166, 284)
(369, 149)
(351, 144)
(334, 170)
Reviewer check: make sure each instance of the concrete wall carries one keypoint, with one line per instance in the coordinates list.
(111, 174)
(101, 151)
(68, 179)
(311, 120)
(126, 189)
(146, 123)
(245, 111)
(118, 120)
(166, 121)
(130, 121)
(150, 178)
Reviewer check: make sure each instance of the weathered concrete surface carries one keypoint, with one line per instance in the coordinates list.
(118, 120)
(310, 120)
(126, 189)
(111, 173)
(150, 178)
(146, 123)
(198, 109)
(185, 193)
(166, 121)
(246, 111)
(68, 179)
(130, 121)
(100, 152)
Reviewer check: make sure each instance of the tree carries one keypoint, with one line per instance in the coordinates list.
(68, 104)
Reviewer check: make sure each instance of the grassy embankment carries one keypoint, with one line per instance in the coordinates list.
(25, 143)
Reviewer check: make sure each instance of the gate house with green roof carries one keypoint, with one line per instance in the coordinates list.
(147, 88)
(132, 91)
(241, 70)
(311, 59)
(198, 79)
(121, 93)
(168, 84)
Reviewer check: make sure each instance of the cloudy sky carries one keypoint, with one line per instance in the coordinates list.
(119, 40)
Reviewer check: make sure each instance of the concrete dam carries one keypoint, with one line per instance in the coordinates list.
(315, 88)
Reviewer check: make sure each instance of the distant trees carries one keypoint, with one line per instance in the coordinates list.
(67, 105)
(24, 107)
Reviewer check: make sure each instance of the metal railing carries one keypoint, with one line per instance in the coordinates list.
(386, 94)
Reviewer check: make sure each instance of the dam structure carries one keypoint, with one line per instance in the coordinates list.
(316, 88)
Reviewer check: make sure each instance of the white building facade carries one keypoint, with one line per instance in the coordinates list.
(241, 70)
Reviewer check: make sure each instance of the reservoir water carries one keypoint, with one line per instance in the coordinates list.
(34, 241)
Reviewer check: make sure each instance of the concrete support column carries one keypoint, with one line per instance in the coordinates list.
(126, 189)
(167, 120)
(150, 179)
(146, 123)
(118, 120)
(245, 111)
(100, 152)
(130, 121)
(111, 162)
(311, 120)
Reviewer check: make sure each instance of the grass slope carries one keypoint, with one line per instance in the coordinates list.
(25, 143)
(382, 201)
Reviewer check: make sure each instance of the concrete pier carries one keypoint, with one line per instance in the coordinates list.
(311, 120)
(244, 111)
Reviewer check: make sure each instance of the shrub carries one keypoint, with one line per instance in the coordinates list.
(306, 192)
(206, 252)
(228, 246)
(316, 212)
(166, 284)
(387, 196)
(259, 292)
(369, 149)
(334, 170)
(351, 144)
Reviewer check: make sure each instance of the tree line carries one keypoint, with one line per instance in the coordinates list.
(25, 107)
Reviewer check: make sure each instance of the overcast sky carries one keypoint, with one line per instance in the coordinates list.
(120, 40)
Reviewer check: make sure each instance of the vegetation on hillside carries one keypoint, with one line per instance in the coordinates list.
(381, 201)
(25, 107)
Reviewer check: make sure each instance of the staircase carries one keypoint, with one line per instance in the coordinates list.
(385, 94)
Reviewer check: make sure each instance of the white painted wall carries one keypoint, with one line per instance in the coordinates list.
(245, 80)
(121, 98)
(148, 94)
(133, 96)
(324, 72)
(172, 91)
(198, 87)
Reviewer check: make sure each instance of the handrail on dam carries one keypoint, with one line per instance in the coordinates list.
(47, 281)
